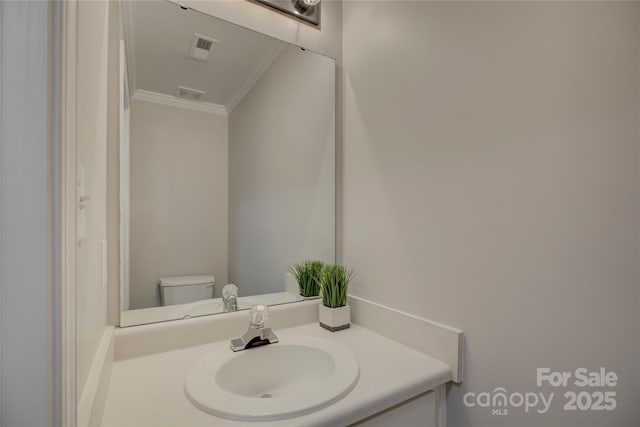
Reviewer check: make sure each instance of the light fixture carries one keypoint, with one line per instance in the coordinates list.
(304, 10)
(305, 6)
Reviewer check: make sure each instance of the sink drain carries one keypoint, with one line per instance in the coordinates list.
(266, 395)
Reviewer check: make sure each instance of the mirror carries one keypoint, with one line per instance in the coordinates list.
(227, 163)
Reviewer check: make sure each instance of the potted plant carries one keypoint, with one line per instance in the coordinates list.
(334, 313)
(308, 275)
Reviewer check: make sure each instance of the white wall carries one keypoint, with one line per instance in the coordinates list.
(179, 186)
(491, 182)
(281, 172)
(91, 296)
(26, 319)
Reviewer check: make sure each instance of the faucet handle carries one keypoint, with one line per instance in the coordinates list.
(259, 314)
(230, 290)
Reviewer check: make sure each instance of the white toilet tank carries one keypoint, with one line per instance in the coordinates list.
(185, 289)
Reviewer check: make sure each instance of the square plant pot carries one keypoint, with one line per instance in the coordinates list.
(334, 319)
(311, 297)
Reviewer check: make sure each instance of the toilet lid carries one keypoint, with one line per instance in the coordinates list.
(187, 280)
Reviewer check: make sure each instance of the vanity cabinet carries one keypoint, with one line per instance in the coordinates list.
(425, 410)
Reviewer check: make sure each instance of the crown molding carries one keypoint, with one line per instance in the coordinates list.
(173, 101)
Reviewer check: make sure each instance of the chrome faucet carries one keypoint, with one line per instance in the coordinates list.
(257, 334)
(230, 298)
(230, 303)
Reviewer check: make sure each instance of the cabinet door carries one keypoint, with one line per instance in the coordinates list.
(424, 410)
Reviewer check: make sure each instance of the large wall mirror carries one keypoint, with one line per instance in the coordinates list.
(227, 163)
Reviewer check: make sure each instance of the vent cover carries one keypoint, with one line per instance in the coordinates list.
(201, 46)
(190, 94)
(204, 44)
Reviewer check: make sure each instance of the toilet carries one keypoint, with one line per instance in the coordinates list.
(185, 289)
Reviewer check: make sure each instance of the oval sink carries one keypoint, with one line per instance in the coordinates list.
(294, 377)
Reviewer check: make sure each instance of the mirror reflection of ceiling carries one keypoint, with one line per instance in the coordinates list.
(159, 36)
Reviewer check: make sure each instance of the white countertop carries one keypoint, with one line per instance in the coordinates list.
(149, 390)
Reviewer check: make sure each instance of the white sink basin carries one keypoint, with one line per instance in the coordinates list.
(294, 377)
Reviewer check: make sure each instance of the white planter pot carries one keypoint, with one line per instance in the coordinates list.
(334, 319)
(307, 298)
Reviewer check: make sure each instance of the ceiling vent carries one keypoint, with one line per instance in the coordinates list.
(201, 46)
(190, 94)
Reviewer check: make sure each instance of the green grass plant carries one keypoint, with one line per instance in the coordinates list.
(308, 275)
(335, 284)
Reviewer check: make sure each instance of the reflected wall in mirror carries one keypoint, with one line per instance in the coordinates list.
(227, 164)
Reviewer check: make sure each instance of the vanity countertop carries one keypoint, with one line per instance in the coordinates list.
(149, 390)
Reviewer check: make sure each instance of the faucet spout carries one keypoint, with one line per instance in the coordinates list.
(257, 334)
(230, 297)
(230, 303)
